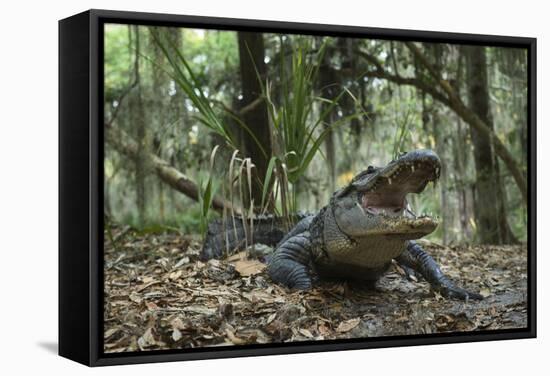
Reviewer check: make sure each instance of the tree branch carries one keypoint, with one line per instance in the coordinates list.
(451, 99)
(475, 121)
(167, 173)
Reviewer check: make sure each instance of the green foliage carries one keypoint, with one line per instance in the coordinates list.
(118, 60)
(184, 76)
(190, 84)
(207, 191)
(296, 132)
(188, 81)
(213, 54)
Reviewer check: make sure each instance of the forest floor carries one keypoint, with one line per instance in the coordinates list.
(159, 295)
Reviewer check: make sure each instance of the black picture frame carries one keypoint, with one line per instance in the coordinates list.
(81, 186)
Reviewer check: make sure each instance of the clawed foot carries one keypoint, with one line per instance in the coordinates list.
(287, 272)
(458, 293)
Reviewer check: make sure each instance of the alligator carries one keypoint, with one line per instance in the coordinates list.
(366, 226)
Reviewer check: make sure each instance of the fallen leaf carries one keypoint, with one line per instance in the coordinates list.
(485, 292)
(256, 296)
(135, 297)
(249, 267)
(147, 279)
(271, 318)
(176, 335)
(233, 338)
(237, 257)
(184, 260)
(108, 333)
(177, 323)
(403, 318)
(147, 339)
(199, 309)
(323, 329)
(346, 326)
(174, 276)
(141, 288)
(306, 333)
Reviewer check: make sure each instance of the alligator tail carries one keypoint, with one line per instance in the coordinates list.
(232, 235)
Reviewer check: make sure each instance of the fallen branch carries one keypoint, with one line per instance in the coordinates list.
(124, 144)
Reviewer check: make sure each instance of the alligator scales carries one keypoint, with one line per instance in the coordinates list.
(365, 226)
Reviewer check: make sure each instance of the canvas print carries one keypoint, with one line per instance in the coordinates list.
(263, 188)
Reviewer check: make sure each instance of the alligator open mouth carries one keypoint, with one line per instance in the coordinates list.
(386, 191)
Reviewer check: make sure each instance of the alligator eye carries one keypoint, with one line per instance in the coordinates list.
(370, 170)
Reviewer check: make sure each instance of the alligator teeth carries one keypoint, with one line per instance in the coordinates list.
(389, 181)
(360, 207)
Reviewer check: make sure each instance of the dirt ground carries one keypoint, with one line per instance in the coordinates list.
(158, 295)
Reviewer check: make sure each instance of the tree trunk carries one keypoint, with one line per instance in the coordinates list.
(460, 157)
(159, 84)
(448, 96)
(461, 180)
(137, 113)
(489, 210)
(441, 149)
(327, 79)
(349, 75)
(252, 55)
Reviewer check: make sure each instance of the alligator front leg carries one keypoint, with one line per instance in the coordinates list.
(290, 262)
(418, 260)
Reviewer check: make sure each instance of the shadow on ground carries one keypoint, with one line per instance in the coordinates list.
(51, 347)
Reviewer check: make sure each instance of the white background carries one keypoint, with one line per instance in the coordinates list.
(28, 185)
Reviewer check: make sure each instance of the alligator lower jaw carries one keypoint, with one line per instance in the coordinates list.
(406, 236)
(404, 228)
